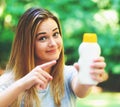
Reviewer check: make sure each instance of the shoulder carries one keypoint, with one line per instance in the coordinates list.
(69, 72)
(70, 69)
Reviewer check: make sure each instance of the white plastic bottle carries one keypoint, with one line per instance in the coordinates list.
(89, 49)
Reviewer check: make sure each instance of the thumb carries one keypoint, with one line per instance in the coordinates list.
(48, 64)
(76, 65)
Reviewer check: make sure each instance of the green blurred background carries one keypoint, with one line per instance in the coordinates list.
(77, 17)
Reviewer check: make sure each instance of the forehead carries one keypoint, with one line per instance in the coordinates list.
(47, 24)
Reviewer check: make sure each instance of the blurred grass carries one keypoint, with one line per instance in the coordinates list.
(103, 99)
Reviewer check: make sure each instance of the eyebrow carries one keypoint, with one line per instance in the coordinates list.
(45, 32)
(54, 29)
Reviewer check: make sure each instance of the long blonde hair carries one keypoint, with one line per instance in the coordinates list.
(22, 61)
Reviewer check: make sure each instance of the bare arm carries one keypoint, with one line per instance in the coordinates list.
(37, 77)
(79, 89)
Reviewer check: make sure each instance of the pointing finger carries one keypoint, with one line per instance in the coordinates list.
(48, 64)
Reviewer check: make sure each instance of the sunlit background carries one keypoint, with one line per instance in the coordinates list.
(77, 17)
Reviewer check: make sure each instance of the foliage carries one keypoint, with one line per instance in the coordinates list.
(76, 17)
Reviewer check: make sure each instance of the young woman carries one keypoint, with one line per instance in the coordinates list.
(36, 74)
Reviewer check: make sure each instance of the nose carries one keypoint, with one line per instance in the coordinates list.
(52, 42)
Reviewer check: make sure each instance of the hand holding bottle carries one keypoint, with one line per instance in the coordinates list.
(89, 51)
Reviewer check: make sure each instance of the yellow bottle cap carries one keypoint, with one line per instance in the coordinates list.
(89, 37)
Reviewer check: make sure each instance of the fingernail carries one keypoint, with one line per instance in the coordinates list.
(50, 78)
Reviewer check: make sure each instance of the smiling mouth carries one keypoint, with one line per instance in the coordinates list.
(52, 51)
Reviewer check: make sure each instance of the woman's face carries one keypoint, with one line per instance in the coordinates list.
(48, 42)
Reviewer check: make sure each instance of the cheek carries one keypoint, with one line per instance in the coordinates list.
(39, 48)
(60, 43)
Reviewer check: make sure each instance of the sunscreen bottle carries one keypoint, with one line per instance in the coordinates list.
(89, 49)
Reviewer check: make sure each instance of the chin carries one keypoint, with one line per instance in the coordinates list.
(54, 58)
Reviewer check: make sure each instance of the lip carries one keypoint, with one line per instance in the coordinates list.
(52, 51)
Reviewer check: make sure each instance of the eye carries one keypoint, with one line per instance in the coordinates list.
(56, 34)
(43, 38)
